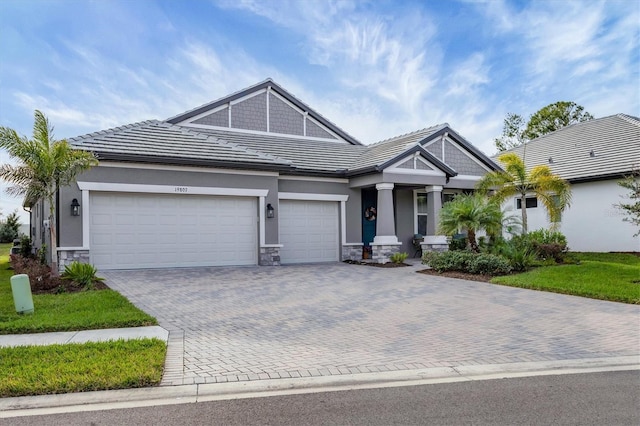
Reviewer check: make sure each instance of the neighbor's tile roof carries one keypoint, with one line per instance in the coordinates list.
(303, 154)
(603, 147)
(383, 151)
(162, 141)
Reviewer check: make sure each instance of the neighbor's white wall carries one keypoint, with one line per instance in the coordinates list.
(592, 223)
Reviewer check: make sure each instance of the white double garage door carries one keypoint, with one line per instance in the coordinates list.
(132, 230)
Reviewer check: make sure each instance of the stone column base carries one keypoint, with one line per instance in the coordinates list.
(270, 255)
(382, 252)
(434, 243)
(66, 257)
(352, 251)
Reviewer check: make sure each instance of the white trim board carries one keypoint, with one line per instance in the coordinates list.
(311, 197)
(171, 189)
(260, 133)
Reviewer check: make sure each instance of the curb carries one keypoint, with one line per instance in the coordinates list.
(129, 398)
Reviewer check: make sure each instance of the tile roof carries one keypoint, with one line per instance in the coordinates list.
(599, 148)
(303, 154)
(162, 141)
(383, 151)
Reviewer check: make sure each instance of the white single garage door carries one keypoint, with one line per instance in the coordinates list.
(308, 231)
(130, 230)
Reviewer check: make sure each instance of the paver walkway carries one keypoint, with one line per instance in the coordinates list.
(251, 323)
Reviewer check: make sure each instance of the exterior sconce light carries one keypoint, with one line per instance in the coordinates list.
(75, 207)
(271, 212)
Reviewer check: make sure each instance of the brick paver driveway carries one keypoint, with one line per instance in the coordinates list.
(231, 324)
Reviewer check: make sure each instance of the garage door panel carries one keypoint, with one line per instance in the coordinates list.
(166, 230)
(309, 231)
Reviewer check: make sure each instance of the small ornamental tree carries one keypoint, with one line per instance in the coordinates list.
(515, 181)
(632, 208)
(44, 165)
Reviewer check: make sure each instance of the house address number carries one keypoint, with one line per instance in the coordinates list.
(181, 189)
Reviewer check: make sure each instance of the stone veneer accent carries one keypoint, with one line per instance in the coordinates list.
(352, 252)
(66, 257)
(269, 256)
(381, 253)
(433, 247)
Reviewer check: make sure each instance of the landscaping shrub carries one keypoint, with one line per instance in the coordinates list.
(399, 257)
(83, 274)
(489, 264)
(520, 256)
(548, 244)
(458, 242)
(448, 260)
(467, 261)
(26, 249)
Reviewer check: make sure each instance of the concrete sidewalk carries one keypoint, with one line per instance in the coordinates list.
(84, 336)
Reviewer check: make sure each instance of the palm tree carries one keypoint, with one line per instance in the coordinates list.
(44, 165)
(553, 191)
(471, 212)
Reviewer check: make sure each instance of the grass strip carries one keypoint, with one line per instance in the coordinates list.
(120, 364)
(615, 282)
(87, 310)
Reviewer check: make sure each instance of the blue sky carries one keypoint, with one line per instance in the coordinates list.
(375, 68)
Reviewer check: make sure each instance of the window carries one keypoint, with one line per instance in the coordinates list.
(531, 203)
(421, 211)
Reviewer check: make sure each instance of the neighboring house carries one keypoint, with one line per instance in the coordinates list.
(593, 156)
(257, 177)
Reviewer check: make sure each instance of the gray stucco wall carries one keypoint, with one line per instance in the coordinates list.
(404, 219)
(71, 227)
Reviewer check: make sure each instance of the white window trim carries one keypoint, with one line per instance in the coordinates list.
(415, 208)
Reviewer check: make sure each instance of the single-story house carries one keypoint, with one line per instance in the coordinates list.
(256, 178)
(593, 156)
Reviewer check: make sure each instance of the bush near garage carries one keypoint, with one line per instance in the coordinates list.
(468, 262)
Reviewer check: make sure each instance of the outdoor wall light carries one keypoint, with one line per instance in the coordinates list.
(271, 212)
(75, 207)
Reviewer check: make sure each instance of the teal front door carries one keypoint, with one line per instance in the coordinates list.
(369, 215)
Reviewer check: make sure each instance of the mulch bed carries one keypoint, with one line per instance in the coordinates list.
(377, 265)
(459, 275)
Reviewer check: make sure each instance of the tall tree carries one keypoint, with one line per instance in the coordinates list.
(513, 130)
(555, 116)
(472, 212)
(515, 181)
(516, 130)
(44, 165)
(632, 208)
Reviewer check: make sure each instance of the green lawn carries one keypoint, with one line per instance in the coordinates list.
(86, 310)
(606, 276)
(41, 370)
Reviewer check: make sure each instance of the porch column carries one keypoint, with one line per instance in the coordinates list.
(385, 220)
(432, 241)
(434, 204)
